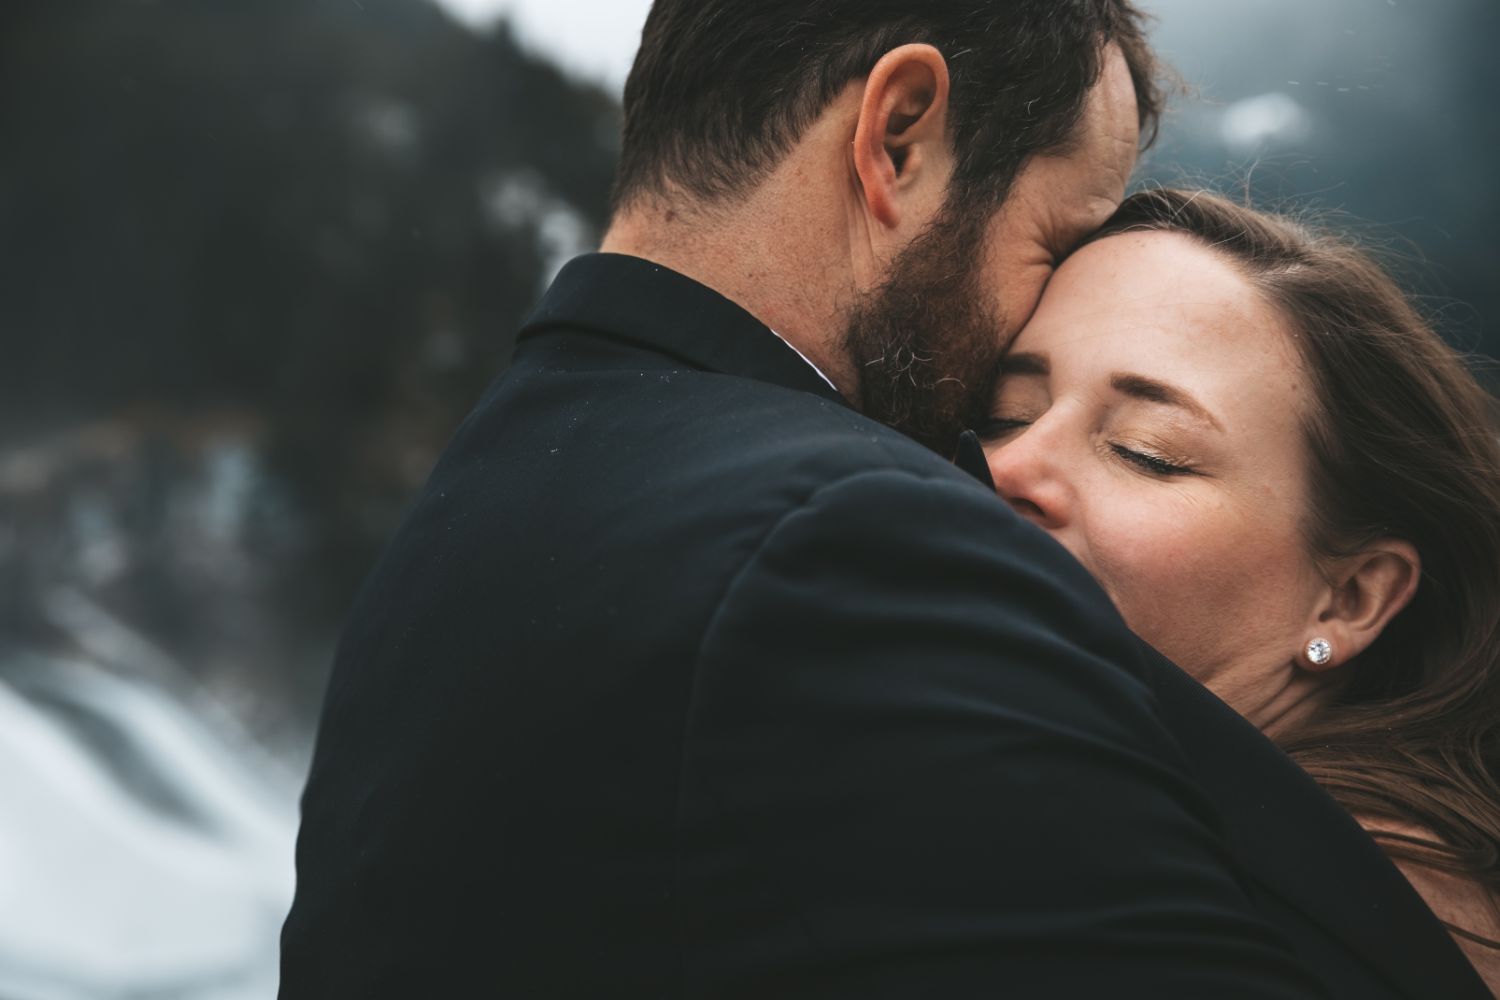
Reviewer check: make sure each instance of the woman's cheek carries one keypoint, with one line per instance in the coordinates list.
(1169, 572)
(1143, 543)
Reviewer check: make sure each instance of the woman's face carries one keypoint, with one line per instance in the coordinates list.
(1150, 418)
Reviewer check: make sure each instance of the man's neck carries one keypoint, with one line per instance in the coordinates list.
(782, 270)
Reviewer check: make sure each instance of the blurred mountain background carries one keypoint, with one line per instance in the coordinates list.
(257, 261)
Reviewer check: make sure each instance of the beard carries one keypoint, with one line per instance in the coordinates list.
(925, 345)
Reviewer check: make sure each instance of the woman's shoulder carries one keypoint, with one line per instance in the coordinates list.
(1467, 907)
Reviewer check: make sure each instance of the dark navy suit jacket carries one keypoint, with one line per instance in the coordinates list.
(683, 679)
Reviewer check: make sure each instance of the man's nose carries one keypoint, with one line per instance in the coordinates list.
(1028, 470)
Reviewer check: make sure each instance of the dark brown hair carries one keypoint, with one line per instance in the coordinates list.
(1404, 444)
(721, 89)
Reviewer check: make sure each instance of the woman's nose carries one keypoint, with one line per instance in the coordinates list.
(1028, 470)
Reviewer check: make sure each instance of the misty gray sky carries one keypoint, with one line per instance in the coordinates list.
(594, 39)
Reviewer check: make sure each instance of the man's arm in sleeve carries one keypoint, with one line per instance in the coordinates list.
(923, 760)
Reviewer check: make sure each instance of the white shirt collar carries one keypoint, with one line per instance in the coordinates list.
(804, 357)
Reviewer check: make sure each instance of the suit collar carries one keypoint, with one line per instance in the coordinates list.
(631, 299)
(971, 459)
(1299, 845)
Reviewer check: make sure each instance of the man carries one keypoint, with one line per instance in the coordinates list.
(688, 676)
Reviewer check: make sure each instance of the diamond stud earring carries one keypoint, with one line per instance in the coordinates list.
(1319, 652)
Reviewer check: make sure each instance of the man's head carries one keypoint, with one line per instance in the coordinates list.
(927, 341)
(932, 159)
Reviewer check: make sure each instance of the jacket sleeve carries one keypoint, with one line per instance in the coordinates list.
(923, 759)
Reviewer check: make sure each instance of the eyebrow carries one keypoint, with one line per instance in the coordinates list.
(1135, 386)
(1152, 391)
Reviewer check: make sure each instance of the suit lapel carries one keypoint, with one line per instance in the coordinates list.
(1302, 847)
(971, 458)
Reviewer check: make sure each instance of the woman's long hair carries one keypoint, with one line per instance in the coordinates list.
(1404, 444)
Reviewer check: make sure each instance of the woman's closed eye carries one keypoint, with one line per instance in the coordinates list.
(1153, 461)
(1152, 464)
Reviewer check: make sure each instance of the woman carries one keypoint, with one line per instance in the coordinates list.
(1290, 486)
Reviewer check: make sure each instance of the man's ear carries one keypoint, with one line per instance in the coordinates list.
(1365, 592)
(901, 138)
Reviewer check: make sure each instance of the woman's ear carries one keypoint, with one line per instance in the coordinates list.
(901, 137)
(1366, 590)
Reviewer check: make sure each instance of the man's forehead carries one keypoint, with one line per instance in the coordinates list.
(1112, 118)
(1099, 166)
(1073, 191)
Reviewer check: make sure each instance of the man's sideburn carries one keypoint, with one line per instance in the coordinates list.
(926, 344)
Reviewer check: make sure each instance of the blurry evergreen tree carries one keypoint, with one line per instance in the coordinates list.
(330, 214)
